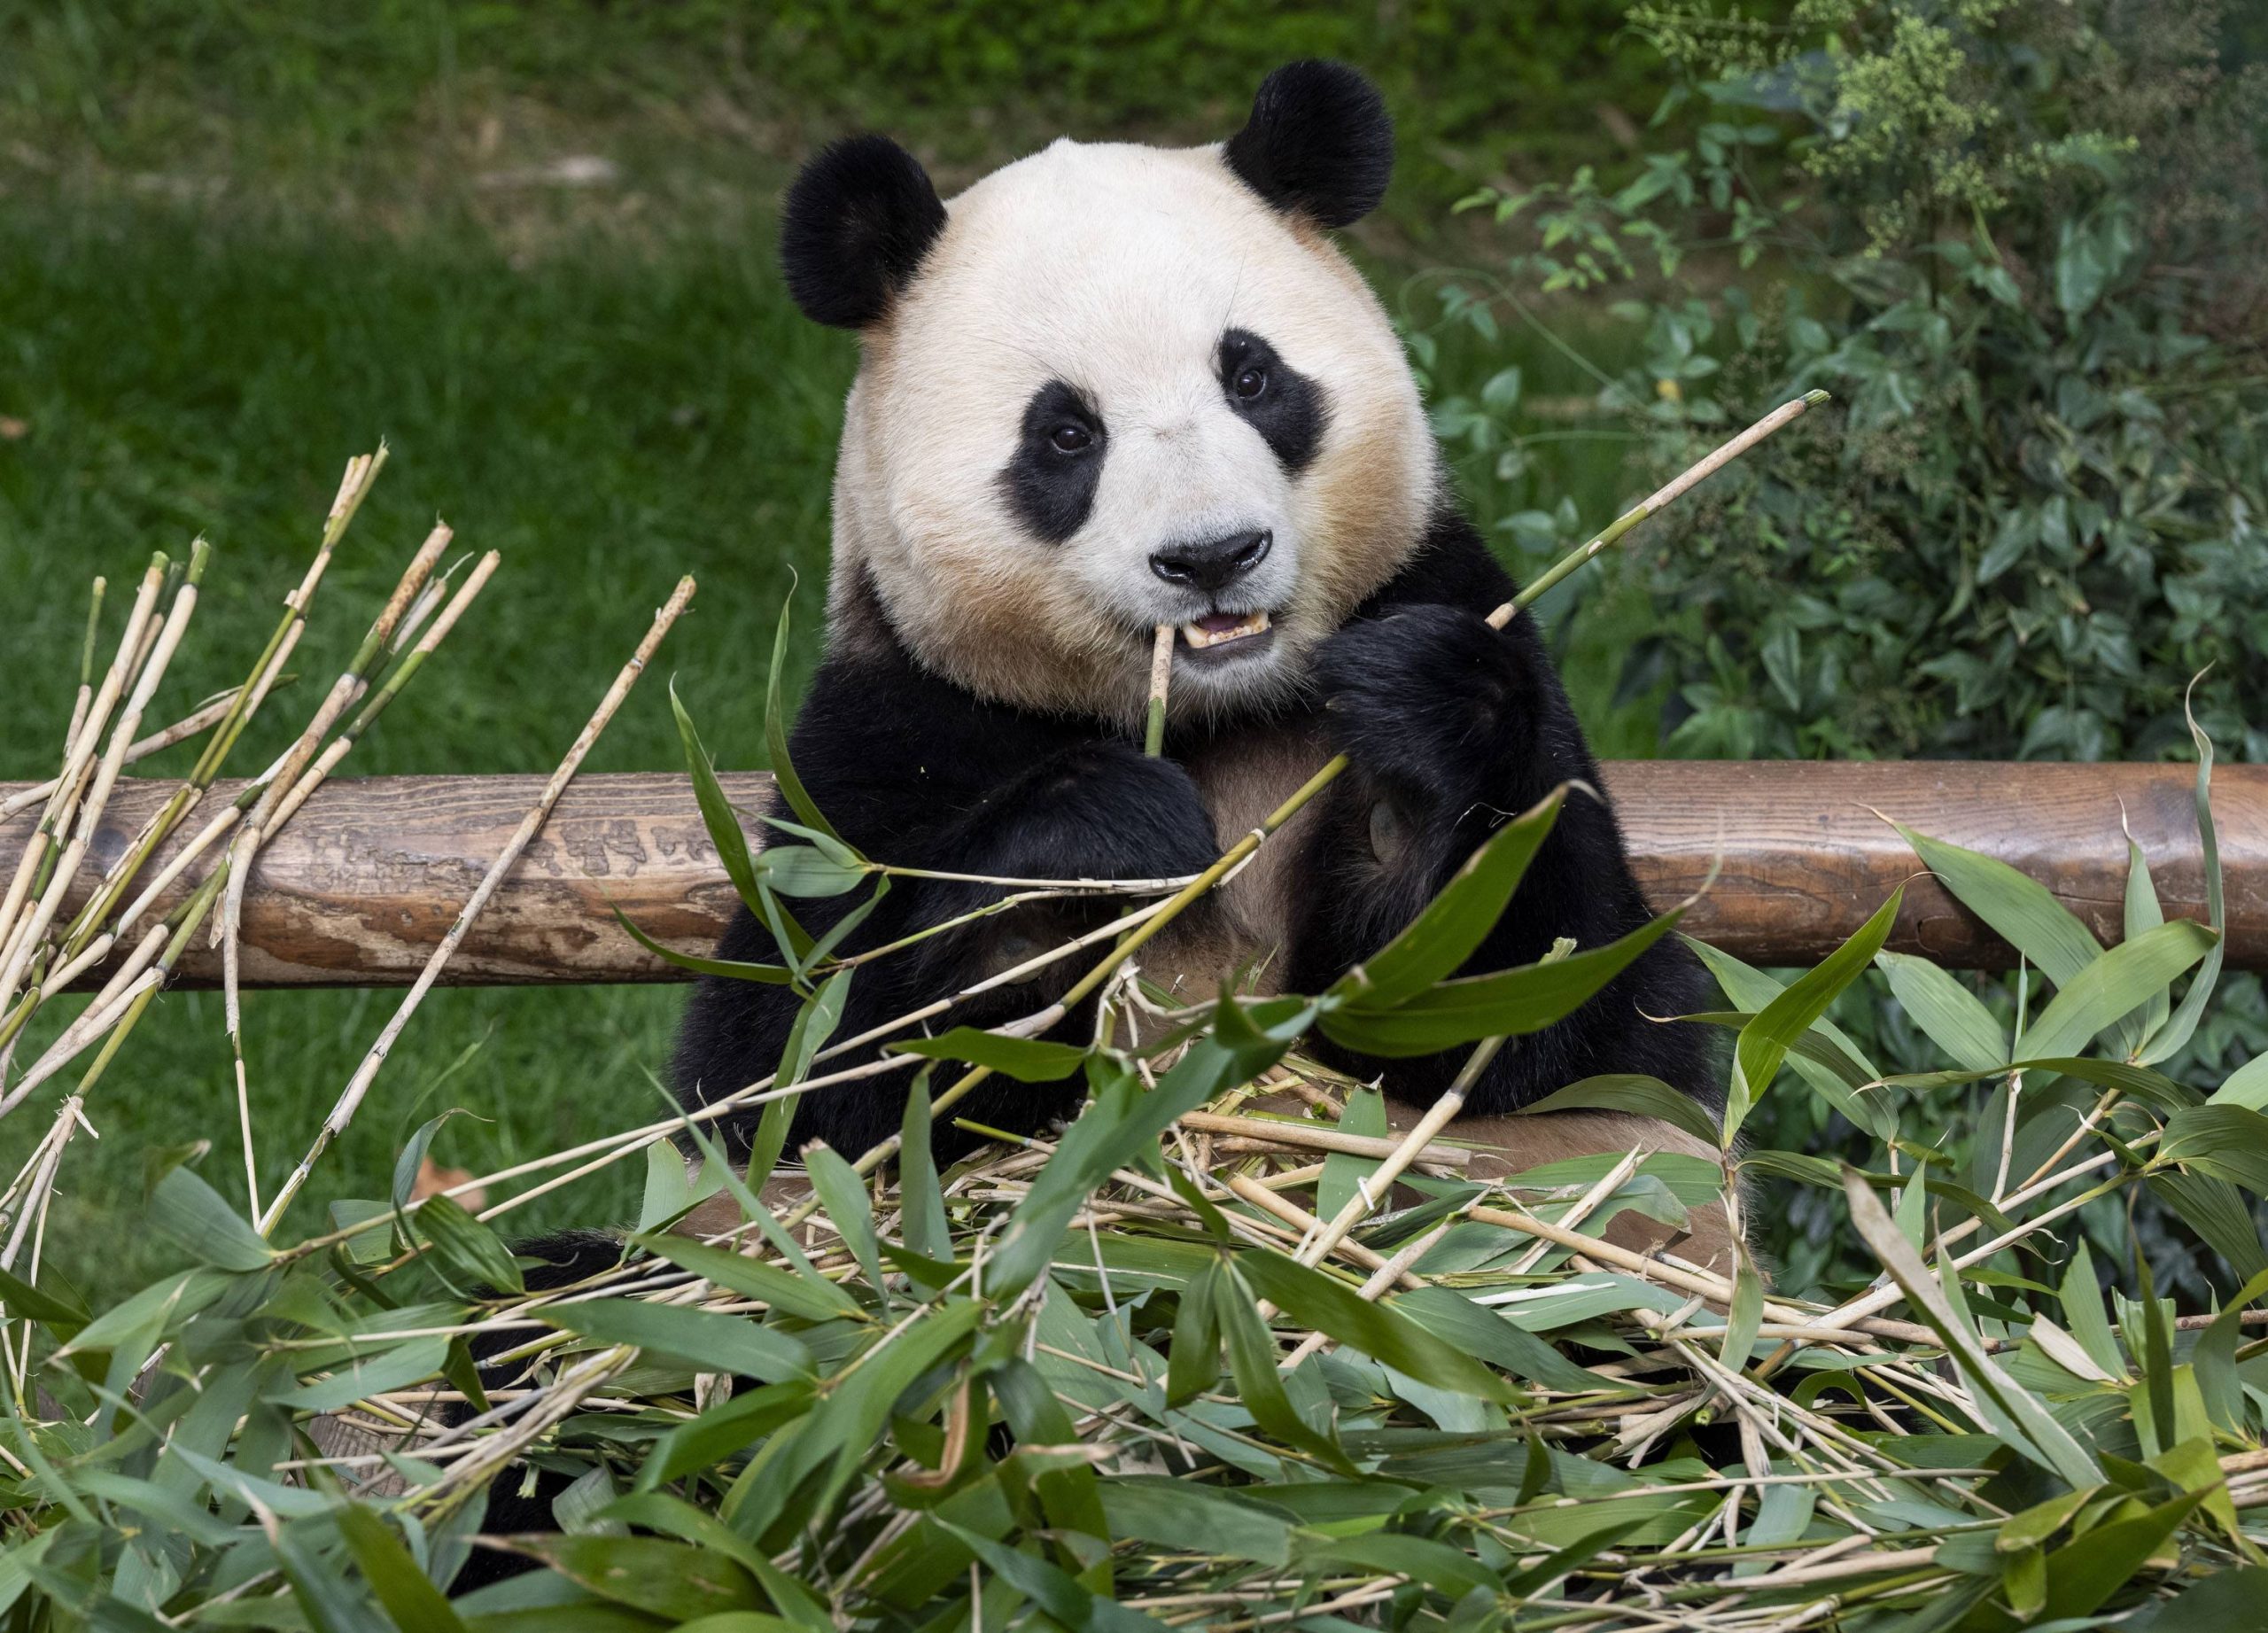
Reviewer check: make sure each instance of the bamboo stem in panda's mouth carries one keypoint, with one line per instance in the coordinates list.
(1153, 739)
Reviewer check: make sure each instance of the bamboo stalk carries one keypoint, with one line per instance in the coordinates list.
(1153, 739)
(343, 1112)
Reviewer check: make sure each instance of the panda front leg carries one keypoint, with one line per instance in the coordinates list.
(1451, 727)
(1098, 810)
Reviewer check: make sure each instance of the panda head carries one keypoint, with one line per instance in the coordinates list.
(1109, 387)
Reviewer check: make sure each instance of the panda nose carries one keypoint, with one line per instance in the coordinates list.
(1214, 563)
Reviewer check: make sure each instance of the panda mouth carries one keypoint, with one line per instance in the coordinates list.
(1221, 629)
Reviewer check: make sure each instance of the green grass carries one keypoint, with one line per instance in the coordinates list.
(607, 385)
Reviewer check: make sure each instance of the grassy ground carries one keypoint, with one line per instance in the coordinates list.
(603, 382)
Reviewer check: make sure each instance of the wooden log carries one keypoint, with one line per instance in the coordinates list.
(364, 881)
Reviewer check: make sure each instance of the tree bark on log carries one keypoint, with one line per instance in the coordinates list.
(360, 885)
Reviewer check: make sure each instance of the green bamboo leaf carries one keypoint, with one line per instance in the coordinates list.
(2171, 1037)
(1752, 990)
(1187, 1516)
(710, 1340)
(804, 870)
(717, 812)
(1193, 1363)
(649, 1574)
(2141, 915)
(2227, 1142)
(1364, 1113)
(2246, 1087)
(808, 1298)
(2214, 1358)
(1765, 1041)
(395, 1366)
(723, 1431)
(192, 1212)
(2014, 1413)
(1951, 1015)
(1058, 1596)
(1026, 1060)
(2083, 1312)
(1456, 921)
(730, 969)
(814, 1024)
(775, 737)
(1640, 1096)
(1746, 1313)
(2022, 911)
(408, 1596)
(1439, 1565)
(2230, 1601)
(2115, 986)
(2216, 1211)
(474, 1254)
(2084, 1573)
(1324, 1304)
(1122, 1119)
(1251, 1363)
(658, 1511)
(843, 1193)
(60, 1313)
(921, 1206)
(1509, 1002)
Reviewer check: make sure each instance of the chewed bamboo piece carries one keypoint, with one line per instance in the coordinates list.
(1154, 740)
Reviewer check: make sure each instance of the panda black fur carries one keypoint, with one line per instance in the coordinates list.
(928, 745)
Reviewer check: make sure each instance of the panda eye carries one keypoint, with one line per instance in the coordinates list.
(1070, 438)
(1250, 382)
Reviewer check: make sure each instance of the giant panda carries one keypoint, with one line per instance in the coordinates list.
(1109, 387)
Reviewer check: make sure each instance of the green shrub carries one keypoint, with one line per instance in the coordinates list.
(2022, 242)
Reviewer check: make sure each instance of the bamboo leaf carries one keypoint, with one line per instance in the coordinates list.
(2022, 911)
(2023, 1422)
(1456, 921)
(808, 1298)
(1640, 1096)
(1026, 1060)
(474, 1254)
(1509, 1002)
(2115, 986)
(921, 1207)
(729, 969)
(775, 737)
(712, 1341)
(1326, 1305)
(1949, 1014)
(1765, 1041)
(192, 1212)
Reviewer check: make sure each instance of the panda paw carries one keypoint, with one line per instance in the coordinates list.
(1426, 702)
(1101, 811)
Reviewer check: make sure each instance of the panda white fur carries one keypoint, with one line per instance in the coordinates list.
(1113, 386)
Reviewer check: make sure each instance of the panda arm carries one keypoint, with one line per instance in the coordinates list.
(917, 773)
(1452, 727)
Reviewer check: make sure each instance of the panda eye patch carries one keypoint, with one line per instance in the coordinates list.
(1056, 462)
(1288, 409)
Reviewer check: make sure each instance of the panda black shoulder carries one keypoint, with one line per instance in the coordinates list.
(1451, 567)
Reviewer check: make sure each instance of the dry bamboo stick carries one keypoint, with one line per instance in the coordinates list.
(351, 1097)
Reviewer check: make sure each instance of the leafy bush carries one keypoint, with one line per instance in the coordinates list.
(2026, 244)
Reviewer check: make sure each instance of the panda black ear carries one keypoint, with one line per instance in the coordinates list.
(854, 230)
(1319, 143)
